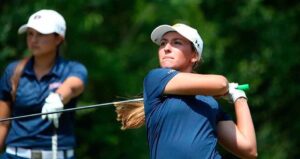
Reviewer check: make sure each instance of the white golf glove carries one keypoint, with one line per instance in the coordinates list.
(234, 93)
(53, 103)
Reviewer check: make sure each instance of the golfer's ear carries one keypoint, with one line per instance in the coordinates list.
(195, 57)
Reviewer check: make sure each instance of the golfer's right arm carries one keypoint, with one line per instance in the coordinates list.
(4, 126)
(195, 84)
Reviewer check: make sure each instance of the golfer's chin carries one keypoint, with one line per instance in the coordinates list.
(167, 65)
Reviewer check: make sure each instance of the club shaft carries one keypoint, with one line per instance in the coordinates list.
(71, 109)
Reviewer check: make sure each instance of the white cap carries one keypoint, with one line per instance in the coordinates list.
(186, 31)
(46, 22)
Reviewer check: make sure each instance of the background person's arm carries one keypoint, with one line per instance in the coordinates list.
(71, 87)
(4, 126)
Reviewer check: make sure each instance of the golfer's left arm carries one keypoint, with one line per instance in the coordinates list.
(71, 87)
(239, 138)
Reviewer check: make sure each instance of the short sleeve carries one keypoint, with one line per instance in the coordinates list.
(80, 71)
(155, 83)
(5, 82)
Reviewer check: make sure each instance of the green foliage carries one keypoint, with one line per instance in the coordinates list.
(254, 41)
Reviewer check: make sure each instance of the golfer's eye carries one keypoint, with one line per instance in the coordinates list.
(163, 43)
(29, 33)
(177, 42)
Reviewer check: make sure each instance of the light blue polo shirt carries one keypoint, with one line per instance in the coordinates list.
(179, 127)
(34, 132)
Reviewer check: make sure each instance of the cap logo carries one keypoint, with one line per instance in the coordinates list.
(37, 17)
(196, 42)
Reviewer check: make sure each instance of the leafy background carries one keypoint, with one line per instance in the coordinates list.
(254, 41)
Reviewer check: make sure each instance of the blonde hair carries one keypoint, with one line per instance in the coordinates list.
(130, 114)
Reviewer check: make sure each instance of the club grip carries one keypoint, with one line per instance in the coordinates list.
(243, 87)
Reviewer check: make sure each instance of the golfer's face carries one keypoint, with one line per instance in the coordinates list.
(41, 44)
(176, 52)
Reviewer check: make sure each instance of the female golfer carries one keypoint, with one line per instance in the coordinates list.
(183, 119)
(45, 82)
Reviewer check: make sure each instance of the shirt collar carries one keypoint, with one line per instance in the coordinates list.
(28, 69)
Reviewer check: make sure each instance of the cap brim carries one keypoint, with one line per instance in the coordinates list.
(22, 29)
(159, 31)
(39, 28)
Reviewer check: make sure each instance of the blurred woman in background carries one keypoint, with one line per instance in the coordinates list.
(45, 83)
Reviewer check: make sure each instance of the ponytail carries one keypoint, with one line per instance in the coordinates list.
(130, 114)
(16, 77)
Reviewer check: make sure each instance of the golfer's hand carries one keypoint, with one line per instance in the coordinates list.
(53, 103)
(234, 94)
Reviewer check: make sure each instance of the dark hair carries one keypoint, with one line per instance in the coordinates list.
(197, 64)
(59, 45)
